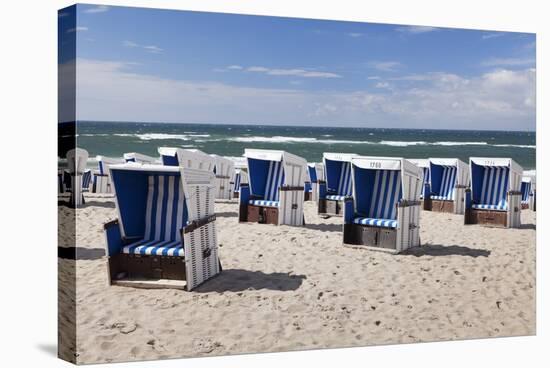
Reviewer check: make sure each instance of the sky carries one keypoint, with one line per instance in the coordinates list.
(137, 64)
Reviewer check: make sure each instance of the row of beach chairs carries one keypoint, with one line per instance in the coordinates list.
(165, 233)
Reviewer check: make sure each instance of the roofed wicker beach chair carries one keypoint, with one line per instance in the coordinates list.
(529, 191)
(240, 176)
(140, 158)
(275, 192)
(225, 171)
(165, 235)
(101, 181)
(337, 184)
(495, 195)
(449, 179)
(187, 158)
(424, 164)
(77, 175)
(384, 212)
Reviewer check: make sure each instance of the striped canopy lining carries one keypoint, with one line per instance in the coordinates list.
(425, 179)
(237, 182)
(386, 192)
(494, 188)
(344, 188)
(86, 179)
(525, 191)
(447, 186)
(275, 179)
(164, 218)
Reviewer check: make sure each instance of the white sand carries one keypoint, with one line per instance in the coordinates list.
(286, 288)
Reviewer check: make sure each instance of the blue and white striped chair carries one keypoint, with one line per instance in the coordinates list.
(101, 182)
(449, 178)
(276, 179)
(525, 193)
(236, 183)
(337, 185)
(166, 229)
(495, 186)
(77, 177)
(424, 164)
(529, 191)
(269, 196)
(385, 203)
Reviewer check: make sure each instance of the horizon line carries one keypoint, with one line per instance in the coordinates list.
(290, 126)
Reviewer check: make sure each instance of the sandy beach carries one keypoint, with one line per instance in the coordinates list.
(286, 288)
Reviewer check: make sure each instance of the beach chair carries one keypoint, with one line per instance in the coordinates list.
(225, 171)
(101, 181)
(495, 195)
(240, 176)
(384, 212)
(77, 175)
(275, 192)
(424, 164)
(449, 179)
(140, 158)
(311, 180)
(528, 191)
(187, 158)
(165, 233)
(337, 184)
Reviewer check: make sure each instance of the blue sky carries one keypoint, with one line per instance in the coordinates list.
(136, 64)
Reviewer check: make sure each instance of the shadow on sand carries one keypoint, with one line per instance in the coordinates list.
(325, 227)
(436, 250)
(227, 214)
(79, 253)
(240, 280)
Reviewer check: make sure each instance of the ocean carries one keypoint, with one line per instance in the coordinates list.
(115, 138)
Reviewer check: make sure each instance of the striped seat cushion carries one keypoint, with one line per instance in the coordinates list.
(335, 197)
(275, 179)
(495, 207)
(494, 188)
(155, 248)
(447, 186)
(375, 222)
(262, 202)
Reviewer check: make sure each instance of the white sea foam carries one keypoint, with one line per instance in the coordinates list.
(459, 143)
(283, 139)
(515, 145)
(155, 136)
(403, 143)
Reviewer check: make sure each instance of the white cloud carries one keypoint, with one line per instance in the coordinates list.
(488, 36)
(293, 72)
(77, 29)
(416, 29)
(355, 34)
(257, 69)
(149, 48)
(130, 44)
(373, 77)
(234, 67)
(385, 66)
(97, 9)
(508, 62)
(152, 48)
(500, 99)
(383, 85)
